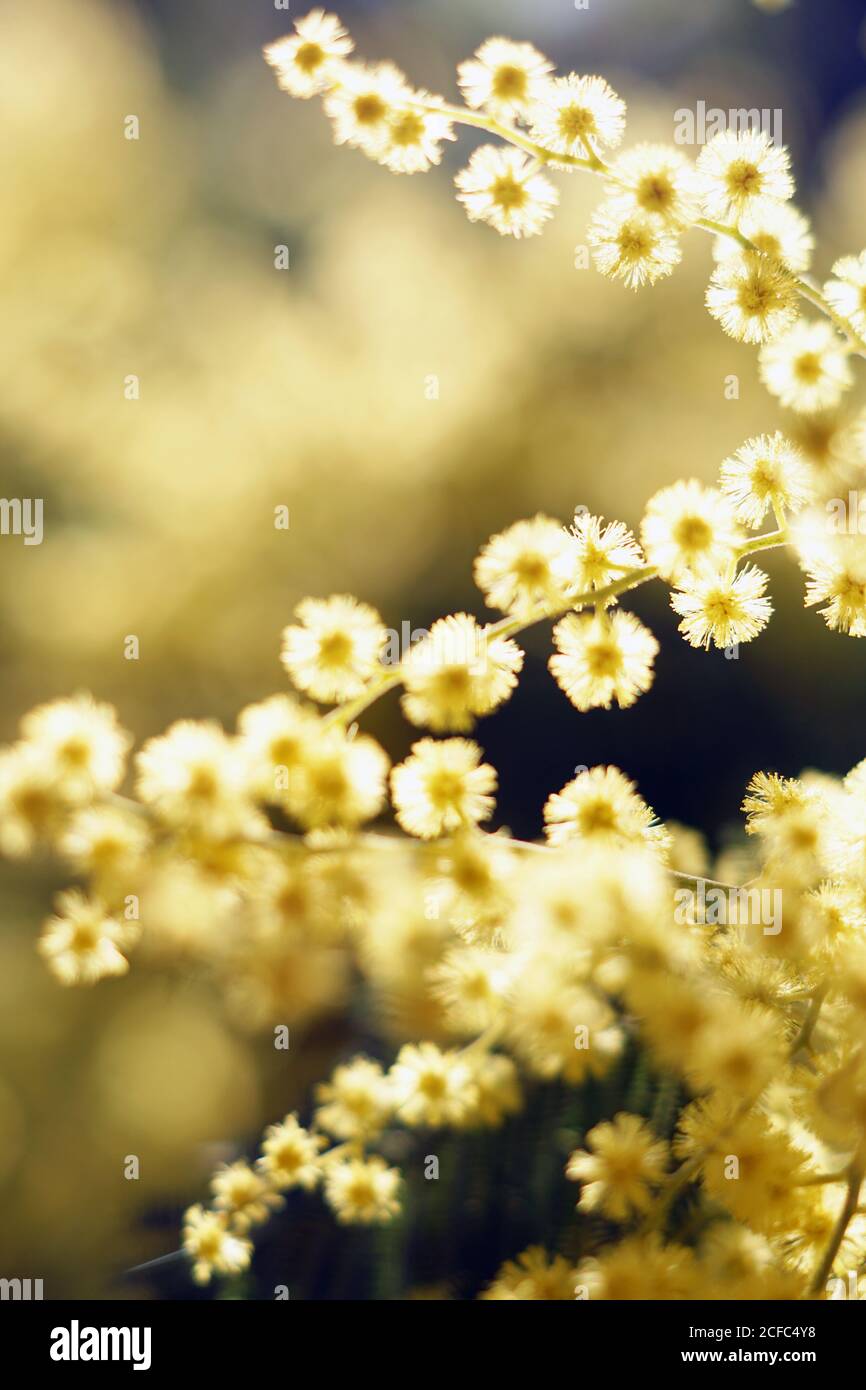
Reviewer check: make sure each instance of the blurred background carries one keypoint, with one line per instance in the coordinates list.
(307, 388)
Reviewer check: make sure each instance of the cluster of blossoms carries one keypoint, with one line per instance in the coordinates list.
(738, 189)
(497, 965)
(500, 964)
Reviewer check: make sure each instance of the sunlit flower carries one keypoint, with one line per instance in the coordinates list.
(577, 115)
(309, 60)
(526, 569)
(30, 807)
(82, 741)
(442, 787)
(779, 230)
(837, 579)
(723, 610)
(362, 1191)
(633, 246)
(600, 553)
(457, 673)
(502, 186)
(504, 77)
(414, 135)
(195, 776)
(601, 657)
(356, 1103)
(847, 291)
(807, 368)
(624, 1162)
(655, 179)
(340, 781)
(689, 528)
(290, 1155)
(273, 736)
(335, 651)
(753, 297)
(362, 102)
(471, 982)
(600, 805)
(83, 944)
(243, 1195)
(766, 474)
(736, 170)
(212, 1245)
(534, 1276)
(430, 1087)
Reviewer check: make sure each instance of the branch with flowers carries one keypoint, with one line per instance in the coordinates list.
(731, 1162)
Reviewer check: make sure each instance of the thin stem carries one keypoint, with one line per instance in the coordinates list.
(855, 1182)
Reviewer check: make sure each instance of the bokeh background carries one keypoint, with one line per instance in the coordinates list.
(306, 387)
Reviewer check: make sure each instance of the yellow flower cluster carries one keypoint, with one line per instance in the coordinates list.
(738, 189)
(498, 964)
(511, 963)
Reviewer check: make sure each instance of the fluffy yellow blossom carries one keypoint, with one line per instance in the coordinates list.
(723, 610)
(363, 101)
(309, 60)
(413, 136)
(636, 247)
(837, 579)
(83, 944)
(534, 1276)
(212, 1246)
(108, 842)
(290, 1155)
(356, 1103)
(655, 179)
(30, 808)
(528, 568)
(559, 1029)
(807, 367)
(767, 473)
(577, 115)
(442, 786)
(738, 1051)
(340, 782)
(779, 230)
(334, 651)
(735, 171)
(602, 657)
(458, 672)
(195, 777)
(472, 983)
(503, 187)
(753, 296)
(362, 1191)
(600, 553)
(688, 528)
(83, 743)
(273, 736)
(244, 1195)
(625, 1161)
(600, 805)
(847, 291)
(640, 1268)
(429, 1086)
(505, 78)
(751, 1168)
